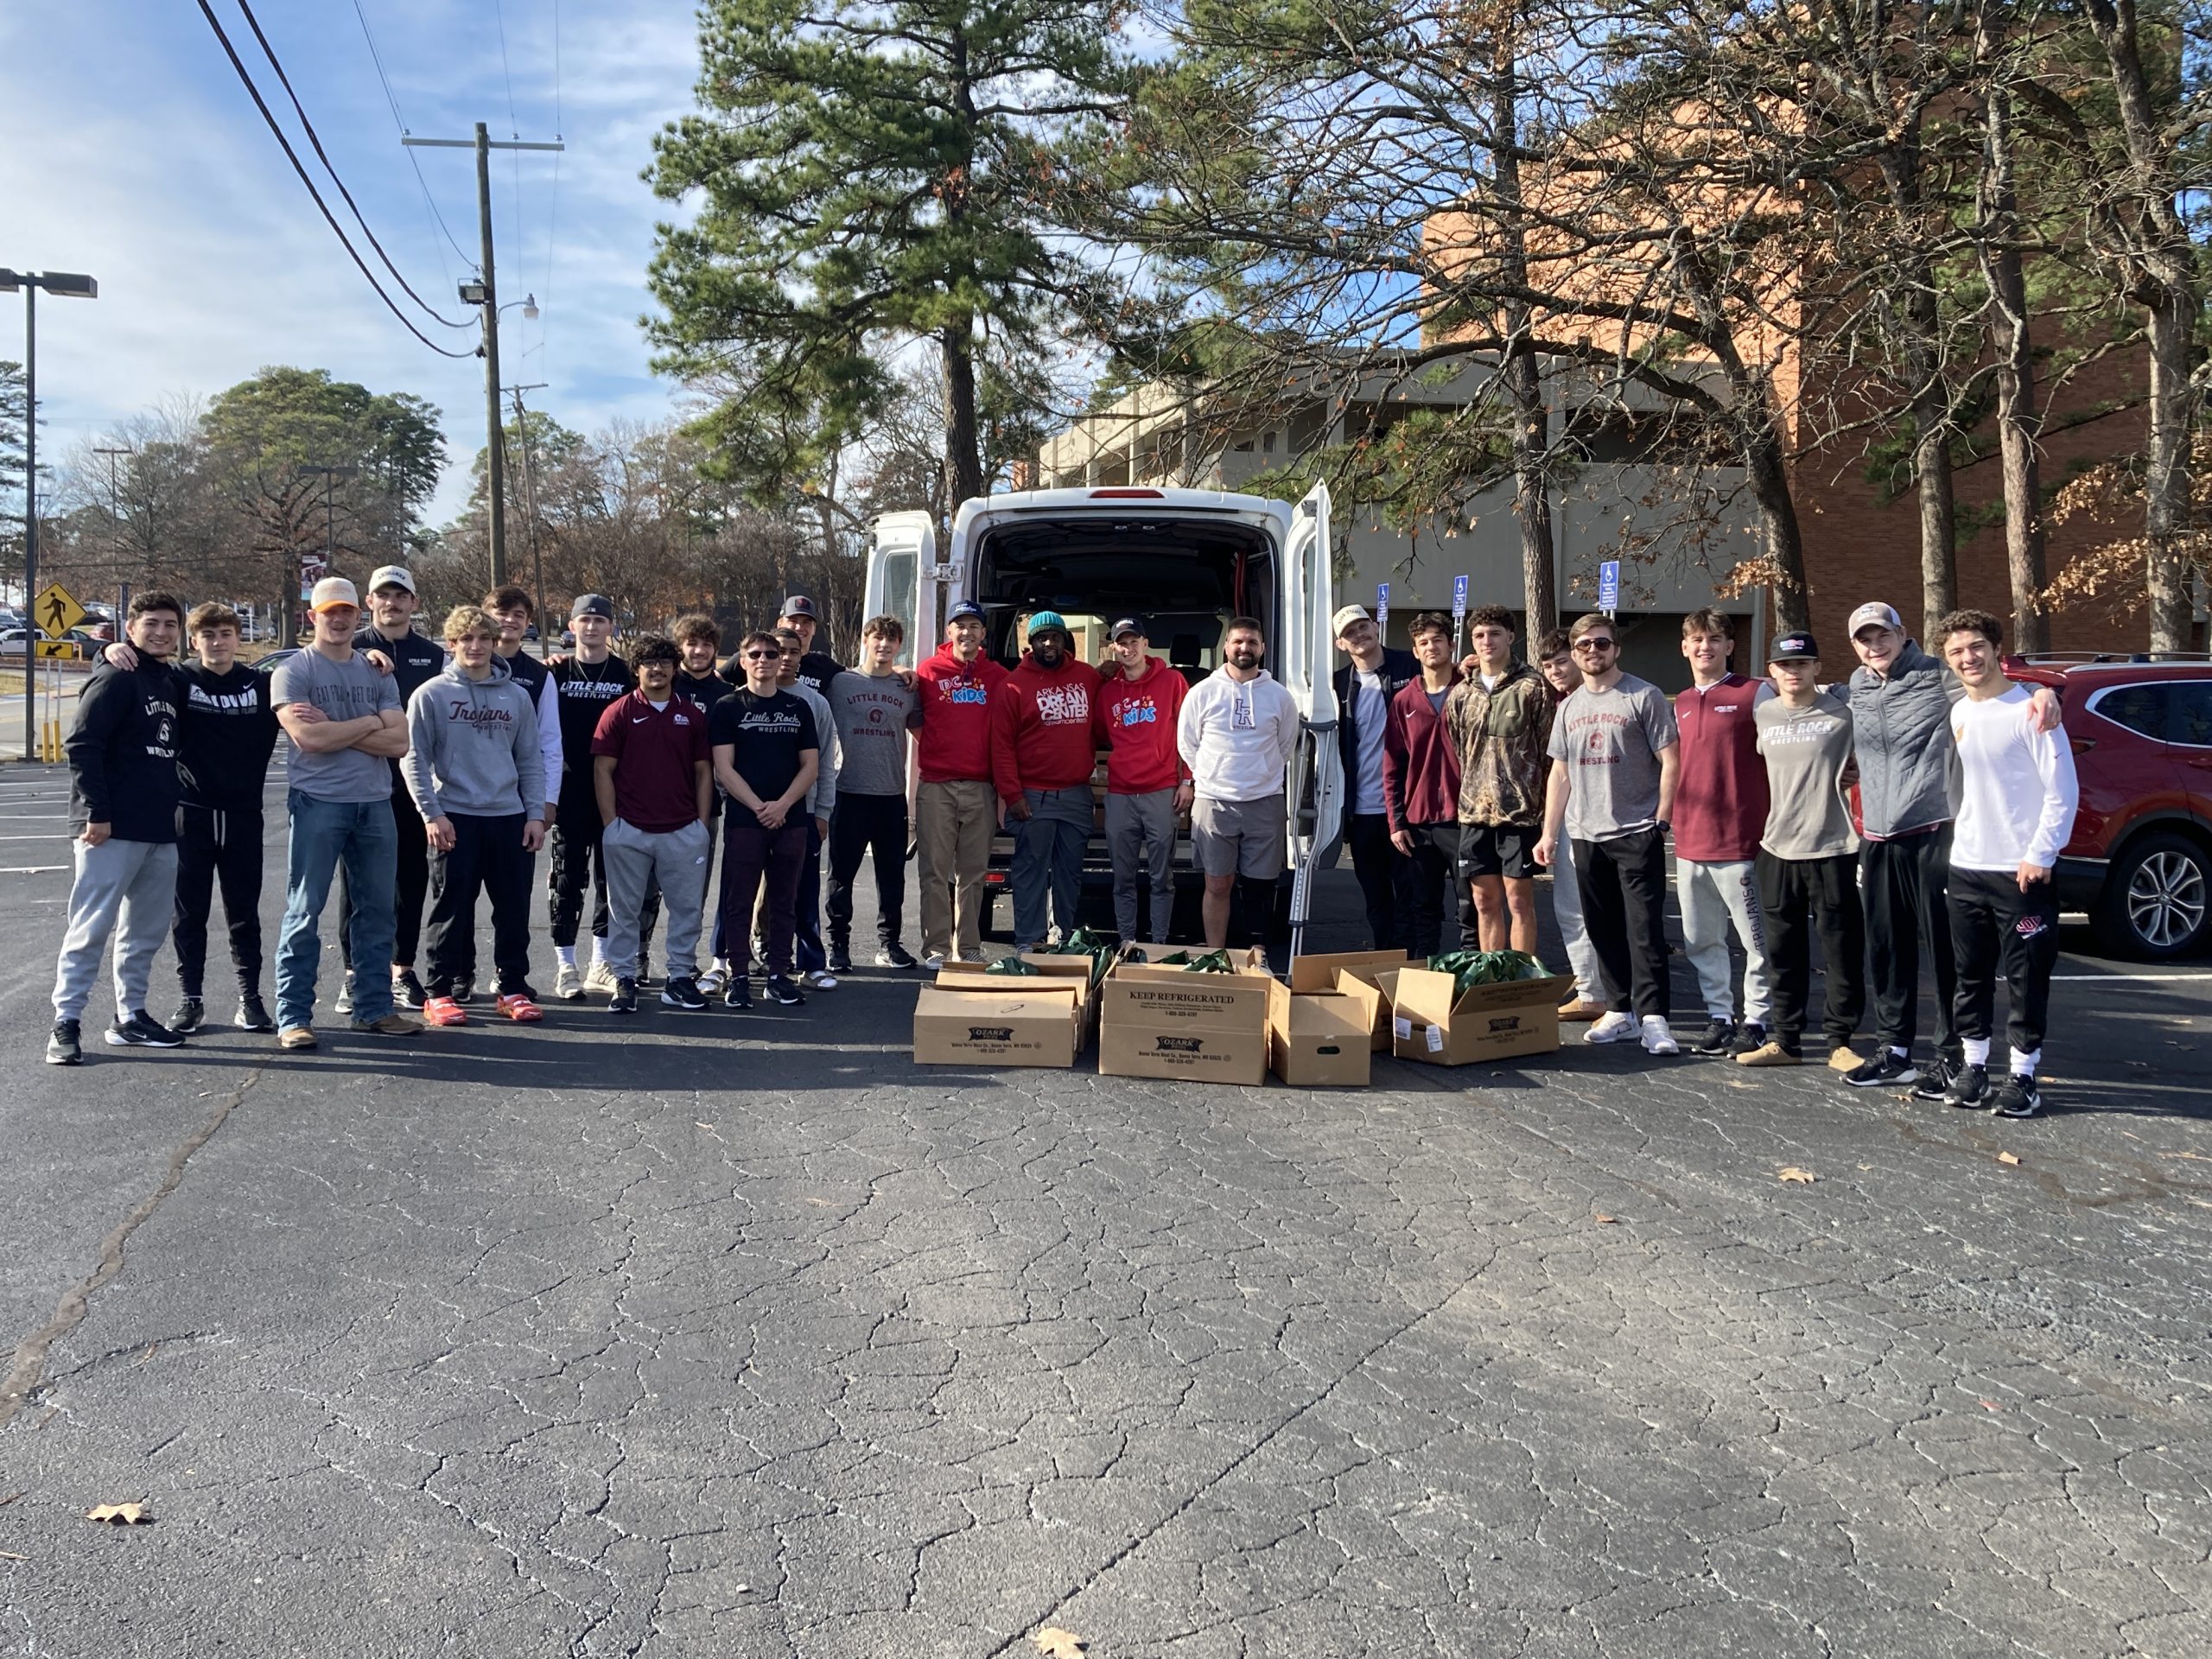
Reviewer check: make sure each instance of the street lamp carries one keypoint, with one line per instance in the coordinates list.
(65, 285)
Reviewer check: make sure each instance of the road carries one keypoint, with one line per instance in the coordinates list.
(741, 1335)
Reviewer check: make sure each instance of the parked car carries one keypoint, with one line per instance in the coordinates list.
(11, 644)
(2140, 859)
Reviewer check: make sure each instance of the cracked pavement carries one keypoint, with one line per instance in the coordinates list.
(719, 1334)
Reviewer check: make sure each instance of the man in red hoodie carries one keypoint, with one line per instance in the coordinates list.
(1421, 788)
(1146, 783)
(1042, 756)
(955, 815)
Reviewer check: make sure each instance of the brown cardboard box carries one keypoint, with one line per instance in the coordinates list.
(1491, 1022)
(1163, 1022)
(1319, 1039)
(1065, 970)
(1035, 1023)
(1325, 973)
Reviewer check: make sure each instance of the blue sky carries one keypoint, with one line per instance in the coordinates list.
(136, 155)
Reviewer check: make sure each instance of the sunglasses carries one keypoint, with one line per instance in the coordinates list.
(764, 655)
(1593, 644)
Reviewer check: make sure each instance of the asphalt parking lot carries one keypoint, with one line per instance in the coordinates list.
(740, 1334)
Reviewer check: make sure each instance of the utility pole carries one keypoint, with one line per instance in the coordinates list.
(530, 496)
(115, 533)
(330, 475)
(483, 293)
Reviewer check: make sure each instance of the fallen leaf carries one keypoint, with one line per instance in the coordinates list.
(1603, 1220)
(11, 1497)
(1989, 1405)
(2006, 1158)
(10, 1555)
(1794, 1173)
(120, 1515)
(1059, 1643)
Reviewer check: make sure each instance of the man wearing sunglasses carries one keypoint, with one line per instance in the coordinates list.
(1615, 758)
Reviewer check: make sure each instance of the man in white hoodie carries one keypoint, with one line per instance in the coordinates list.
(1237, 732)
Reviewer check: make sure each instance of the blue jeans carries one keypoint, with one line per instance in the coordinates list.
(1048, 848)
(364, 836)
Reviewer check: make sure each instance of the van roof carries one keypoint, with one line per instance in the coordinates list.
(1120, 497)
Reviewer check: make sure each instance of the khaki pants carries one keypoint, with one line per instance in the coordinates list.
(953, 825)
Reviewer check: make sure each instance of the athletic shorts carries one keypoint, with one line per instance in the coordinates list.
(1497, 849)
(1246, 838)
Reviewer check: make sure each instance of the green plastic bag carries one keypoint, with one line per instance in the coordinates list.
(1015, 967)
(1214, 962)
(1175, 959)
(1471, 968)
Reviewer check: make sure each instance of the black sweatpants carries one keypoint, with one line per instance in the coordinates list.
(1623, 883)
(1997, 928)
(1435, 867)
(577, 862)
(859, 825)
(1386, 879)
(1906, 917)
(225, 848)
(410, 884)
(1826, 890)
(488, 857)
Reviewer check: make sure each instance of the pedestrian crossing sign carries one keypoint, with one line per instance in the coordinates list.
(56, 612)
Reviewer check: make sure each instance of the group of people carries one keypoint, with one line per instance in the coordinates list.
(1467, 778)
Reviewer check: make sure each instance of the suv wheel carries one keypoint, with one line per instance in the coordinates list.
(2158, 897)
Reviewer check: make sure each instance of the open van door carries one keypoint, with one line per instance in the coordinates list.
(902, 581)
(1315, 796)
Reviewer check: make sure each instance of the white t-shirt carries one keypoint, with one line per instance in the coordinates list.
(2018, 791)
(1370, 714)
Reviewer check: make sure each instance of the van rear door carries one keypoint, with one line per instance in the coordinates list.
(902, 581)
(1315, 798)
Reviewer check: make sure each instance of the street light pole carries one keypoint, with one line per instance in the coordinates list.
(529, 493)
(330, 476)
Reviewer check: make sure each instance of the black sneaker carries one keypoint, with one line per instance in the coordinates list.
(840, 959)
(1969, 1089)
(625, 1000)
(738, 993)
(253, 1013)
(407, 990)
(1751, 1036)
(1719, 1037)
(1888, 1069)
(65, 1047)
(895, 956)
(191, 1015)
(682, 991)
(786, 990)
(2017, 1096)
(1935, 1082)
(464, 992)
(142, 1030)
(344, 1002)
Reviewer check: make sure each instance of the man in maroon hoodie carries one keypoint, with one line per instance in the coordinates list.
(955, 812)
(1042, 756)
(1146, 783)
(1420, 787)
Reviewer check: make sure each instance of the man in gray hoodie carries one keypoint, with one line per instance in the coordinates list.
(477, 773)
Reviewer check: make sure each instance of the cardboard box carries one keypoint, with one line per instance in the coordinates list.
(1064, 970)
(1163, 1022)
(1325, 973)
(1490, 1022)
(1319, 1039)
(1026, 1022)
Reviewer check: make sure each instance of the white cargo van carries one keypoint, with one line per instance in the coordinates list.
(1185, 561)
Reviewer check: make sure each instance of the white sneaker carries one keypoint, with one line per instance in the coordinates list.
(822, 979)
(600, 977)
(934, 960)
(1657, 1037)
(567, 984)
(1612, 1027)
(714, 979)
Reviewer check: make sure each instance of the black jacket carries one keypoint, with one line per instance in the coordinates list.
(415, 663)
(123, 752)
(230, 727)
(1398, 670)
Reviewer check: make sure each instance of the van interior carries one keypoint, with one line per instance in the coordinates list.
(1185, 577)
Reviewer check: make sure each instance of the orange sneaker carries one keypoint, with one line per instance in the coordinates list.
(444, 1011)
(517, 1007)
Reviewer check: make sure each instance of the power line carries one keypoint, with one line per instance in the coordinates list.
(400, 121)
(553, 212)
(330, 219)
(315, 139)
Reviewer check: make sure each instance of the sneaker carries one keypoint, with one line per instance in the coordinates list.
(2017, 1096)
(66, 1046)
(1751, 1036)
(142, 1030)
(840, 959)
(191, 1015)
(934, 960)
(1887, 1069)
(344, 1002)
(739, 992)
(1844, 1057)
(1658, 1039)
(624, 997)
(568, 984)
(1719, 1037)
(392, 1025)
(682, 991)
(253, 1013)
(295, 1037)
(600, 978)
(407, 990)
(1579, 1009)
(464, 991)
(1935, 1082)
(1772, 1053)
(895, 955)
(1969, 1089)
(784, 990)
(714, 979)
(1611, 1027)
(444, 1011)
(521, 1005)
(821, 978)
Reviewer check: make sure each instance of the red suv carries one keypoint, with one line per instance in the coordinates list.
(2140, 859)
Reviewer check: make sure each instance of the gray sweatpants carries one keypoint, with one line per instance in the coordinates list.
(1140, 839)
(1713, 899)
(125, 888)
(633, 859)
(1566, 905)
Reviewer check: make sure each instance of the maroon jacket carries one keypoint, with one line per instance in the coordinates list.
(1420, 768)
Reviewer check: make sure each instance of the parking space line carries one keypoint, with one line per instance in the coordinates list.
(2092, 979)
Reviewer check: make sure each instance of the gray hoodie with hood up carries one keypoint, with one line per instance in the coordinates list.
(472, 747)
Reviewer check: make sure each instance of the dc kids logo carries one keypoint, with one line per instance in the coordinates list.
(1140, 714)
(974, 694)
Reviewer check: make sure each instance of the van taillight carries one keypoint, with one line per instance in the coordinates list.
(1127, 495)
